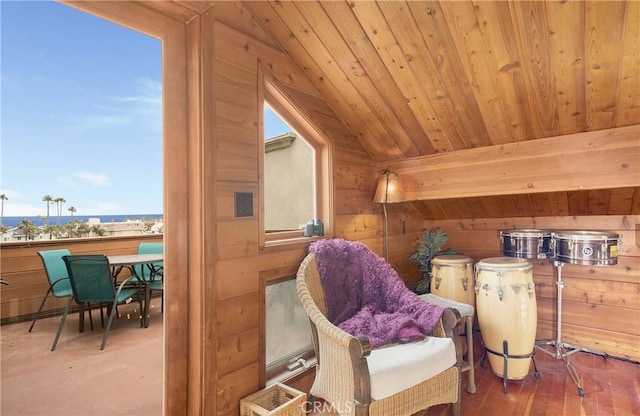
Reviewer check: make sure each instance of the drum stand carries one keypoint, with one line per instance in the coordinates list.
(505, 356)
(560, 347)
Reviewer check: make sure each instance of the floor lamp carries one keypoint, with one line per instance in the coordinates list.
(388, 191)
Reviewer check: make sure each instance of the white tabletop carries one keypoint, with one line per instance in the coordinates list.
(131, 259)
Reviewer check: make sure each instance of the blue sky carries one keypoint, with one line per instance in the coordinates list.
(81, 113)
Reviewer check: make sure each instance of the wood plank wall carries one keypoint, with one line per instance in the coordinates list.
(21, 266)
(243, 267)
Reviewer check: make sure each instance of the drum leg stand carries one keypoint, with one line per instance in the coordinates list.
(505, 368)
(561, 351)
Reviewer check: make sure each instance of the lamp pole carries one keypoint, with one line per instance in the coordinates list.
(386, 232)
(388, 190)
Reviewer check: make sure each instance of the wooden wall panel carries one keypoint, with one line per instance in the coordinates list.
(600, 304)
(599, 159)
(238, 350)
(238, 314)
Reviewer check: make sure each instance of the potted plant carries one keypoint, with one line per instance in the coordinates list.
(428, 248)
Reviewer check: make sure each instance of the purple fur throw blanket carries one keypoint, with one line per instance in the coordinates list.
(365, 295)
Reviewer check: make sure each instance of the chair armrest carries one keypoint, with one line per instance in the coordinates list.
(342, 367)
(451, 321)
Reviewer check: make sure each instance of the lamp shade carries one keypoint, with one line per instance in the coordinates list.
(389, 189)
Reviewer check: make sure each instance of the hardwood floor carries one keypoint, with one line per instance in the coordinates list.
(36, 381)
(611, 388)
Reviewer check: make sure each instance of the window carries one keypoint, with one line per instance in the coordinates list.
(289, 183)
(288, 334)
(295, 166)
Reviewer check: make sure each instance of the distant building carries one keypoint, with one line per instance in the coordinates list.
(111, 229)
(288, 182)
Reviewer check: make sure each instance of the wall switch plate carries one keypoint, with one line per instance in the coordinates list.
(243, 203)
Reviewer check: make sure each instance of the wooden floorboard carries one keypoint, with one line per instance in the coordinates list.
(611, 388)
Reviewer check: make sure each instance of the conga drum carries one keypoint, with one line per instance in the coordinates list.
(452, 278)
(507, 314)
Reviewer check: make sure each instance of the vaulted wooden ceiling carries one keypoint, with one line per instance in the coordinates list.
(416, 78)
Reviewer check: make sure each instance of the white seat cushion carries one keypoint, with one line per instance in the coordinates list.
(396, 367)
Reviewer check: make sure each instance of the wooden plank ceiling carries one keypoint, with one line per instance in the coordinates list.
(419, 78)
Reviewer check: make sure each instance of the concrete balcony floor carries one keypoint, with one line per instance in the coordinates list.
(78, 378)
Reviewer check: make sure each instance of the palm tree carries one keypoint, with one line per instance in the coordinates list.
(72, 228)
(83, 229)
(48, 199)
(28, 228)
(49, 229)
(59, 201)
(97, 230)
(72, 209)
(3, 198)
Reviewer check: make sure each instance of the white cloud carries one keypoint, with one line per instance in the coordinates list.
(150, 94)
(78, 179)
(102, 208)
(15, 207)
(93, 178)
(23, 210)
(144, 104)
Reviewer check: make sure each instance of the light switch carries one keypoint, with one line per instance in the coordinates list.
(243, 204)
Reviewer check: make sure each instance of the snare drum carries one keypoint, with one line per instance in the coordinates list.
(507, 314)
(592, 248)
(526, 244)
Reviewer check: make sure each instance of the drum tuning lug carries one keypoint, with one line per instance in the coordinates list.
(438, 280)
(500, 293)
(464, 283)
(486, 288)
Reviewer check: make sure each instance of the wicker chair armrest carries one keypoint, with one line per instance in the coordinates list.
(341, 358)
(451, 321)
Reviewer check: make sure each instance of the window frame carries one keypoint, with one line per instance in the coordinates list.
(270, 93)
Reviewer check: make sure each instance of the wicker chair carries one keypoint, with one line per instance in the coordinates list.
(342, 372)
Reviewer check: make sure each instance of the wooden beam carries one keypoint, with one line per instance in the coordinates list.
(583, 161)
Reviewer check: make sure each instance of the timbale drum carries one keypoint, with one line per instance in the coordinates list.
(507, 314)
(591, 248)
(452, 277)
(526, 243)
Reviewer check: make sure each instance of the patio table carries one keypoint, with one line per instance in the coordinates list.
(119, 262)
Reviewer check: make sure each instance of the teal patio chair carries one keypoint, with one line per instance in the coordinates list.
(56, 271)
(91, 281)
(153, 277)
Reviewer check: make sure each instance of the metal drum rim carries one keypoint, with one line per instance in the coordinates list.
(582, 235)
(527, 232)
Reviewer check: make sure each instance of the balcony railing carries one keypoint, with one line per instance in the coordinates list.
(22, 268)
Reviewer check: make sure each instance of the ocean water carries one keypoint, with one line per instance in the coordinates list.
(53, 219)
